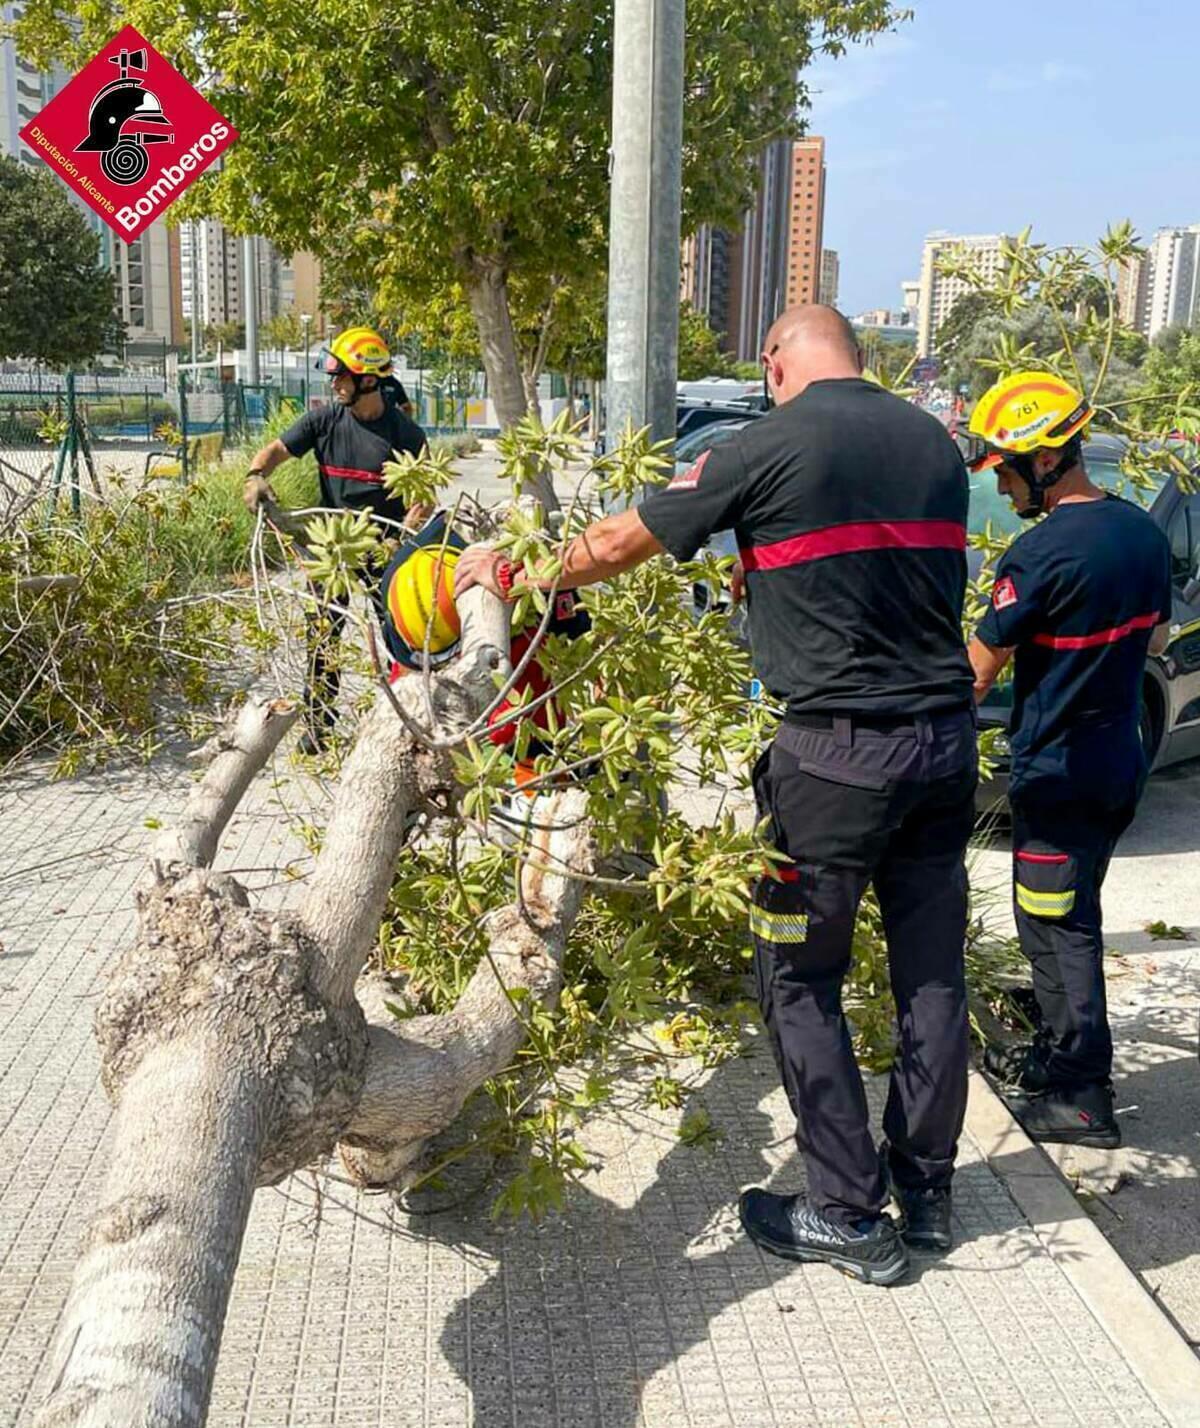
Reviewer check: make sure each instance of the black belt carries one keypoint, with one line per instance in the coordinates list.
(884, 723)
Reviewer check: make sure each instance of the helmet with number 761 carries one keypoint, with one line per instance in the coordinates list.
(1022, 413)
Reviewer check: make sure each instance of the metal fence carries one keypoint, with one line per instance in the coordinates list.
(54, 426)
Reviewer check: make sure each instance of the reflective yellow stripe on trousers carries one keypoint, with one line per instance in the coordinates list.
(778, 926)
(1045, 904)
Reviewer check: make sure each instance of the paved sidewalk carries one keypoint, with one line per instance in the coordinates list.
(1144, 1196)
(643, 1305)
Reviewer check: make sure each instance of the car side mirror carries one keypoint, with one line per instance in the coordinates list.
(1191, 591)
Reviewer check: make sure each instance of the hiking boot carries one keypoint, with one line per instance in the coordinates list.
(1069, 1115)
(925, 1222)
(785, 1226)
(1024, 1067)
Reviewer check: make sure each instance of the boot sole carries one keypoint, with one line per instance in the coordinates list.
(928, 1244)
(1099, 1140)
(881, 1274)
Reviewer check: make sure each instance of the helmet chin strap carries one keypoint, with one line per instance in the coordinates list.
(357, 378)
(1022, 464)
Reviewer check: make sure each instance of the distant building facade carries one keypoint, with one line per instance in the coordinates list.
(938, 293)
(828, 289)
(806, 223)
(1172, 280)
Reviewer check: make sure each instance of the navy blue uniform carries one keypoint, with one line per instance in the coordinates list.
(351, 453)
(1077, 597)
(850, 510)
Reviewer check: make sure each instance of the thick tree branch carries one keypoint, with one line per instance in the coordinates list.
(251, 735)
(385, 778)
(421, 1071)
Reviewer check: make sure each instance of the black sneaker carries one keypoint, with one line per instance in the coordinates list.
(926, 1217)
(313, 742)
(1024, 1067)
(1069, 1115)
(786, 1226)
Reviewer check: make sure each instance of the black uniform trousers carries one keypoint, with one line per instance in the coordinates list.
(1061, 852)
(891, 803)
(324, 626)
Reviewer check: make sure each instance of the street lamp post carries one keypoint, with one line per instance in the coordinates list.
(305, 322)
(643, 288)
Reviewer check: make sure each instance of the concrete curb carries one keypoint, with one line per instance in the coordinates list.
(1146, 1338)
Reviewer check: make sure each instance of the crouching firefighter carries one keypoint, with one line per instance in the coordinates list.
(1078, 601)
(420, 619)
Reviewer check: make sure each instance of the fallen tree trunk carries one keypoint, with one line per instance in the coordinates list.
(236, 1051)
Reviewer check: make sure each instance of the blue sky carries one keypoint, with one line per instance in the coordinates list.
(981, 118)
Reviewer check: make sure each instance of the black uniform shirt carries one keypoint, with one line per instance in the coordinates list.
(850, 508)
(350, 454)
(1078, 596)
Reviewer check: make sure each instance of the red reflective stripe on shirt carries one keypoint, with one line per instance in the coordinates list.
(856, 536)
(1041, 857)
(351, 473)
(1101, 637)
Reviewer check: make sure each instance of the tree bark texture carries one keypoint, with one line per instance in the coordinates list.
(487, 290)
(236, 1051)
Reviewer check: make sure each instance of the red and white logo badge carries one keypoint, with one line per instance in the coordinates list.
(689, 479)
(1004, 594)
(128, 134)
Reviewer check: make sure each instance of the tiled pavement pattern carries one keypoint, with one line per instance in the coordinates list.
(641, 1306)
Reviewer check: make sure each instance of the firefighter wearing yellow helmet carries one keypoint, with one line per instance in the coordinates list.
(1078, 601)
(352, 436)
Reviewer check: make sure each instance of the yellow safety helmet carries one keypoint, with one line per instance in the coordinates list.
(1022, 413)
(360, 350)
(418, 594)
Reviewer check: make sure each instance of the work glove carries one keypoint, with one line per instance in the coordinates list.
(257, 488)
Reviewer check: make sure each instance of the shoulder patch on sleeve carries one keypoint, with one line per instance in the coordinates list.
(689, 479)
(1004, 593)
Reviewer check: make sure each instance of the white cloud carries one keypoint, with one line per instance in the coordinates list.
(1015, 80)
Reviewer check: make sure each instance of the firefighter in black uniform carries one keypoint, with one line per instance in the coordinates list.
(1079, 598)
(361, 429)
(850, 510)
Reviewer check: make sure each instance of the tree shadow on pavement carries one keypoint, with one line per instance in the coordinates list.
(630, 1286)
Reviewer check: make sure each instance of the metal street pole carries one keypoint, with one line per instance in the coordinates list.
(305, 320)
(195, 246)
(643, 262)
(250, 309)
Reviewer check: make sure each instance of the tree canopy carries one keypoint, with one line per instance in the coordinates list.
(56, 298)
(429, 146)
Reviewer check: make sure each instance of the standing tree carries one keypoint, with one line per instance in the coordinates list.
(700, 353)
(56, 299)
(283, 330)
(225, 334)
(429, 146)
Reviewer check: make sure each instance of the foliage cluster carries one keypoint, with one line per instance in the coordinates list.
(88, 667)
(56, 297)
(1056, 308)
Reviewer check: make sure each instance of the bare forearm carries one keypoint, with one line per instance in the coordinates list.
(268, 457)
(986, 665)
(606, 549)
